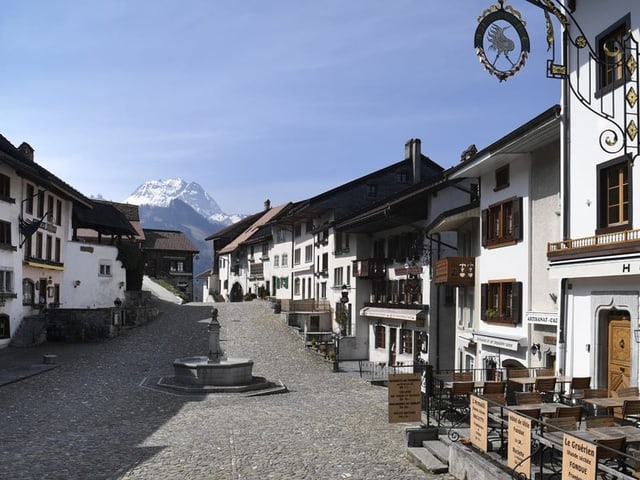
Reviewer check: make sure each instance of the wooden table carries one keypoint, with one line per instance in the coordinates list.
(630, 432)
(530, 381)
(609, 402)
(546, 409)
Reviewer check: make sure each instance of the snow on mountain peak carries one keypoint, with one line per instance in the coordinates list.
(160, 193)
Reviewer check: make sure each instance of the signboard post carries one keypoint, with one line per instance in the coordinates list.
(405, 402)
(479, 422)
(578, 459)
(519, 454)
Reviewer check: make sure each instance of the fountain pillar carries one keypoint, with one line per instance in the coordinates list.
(215, 352)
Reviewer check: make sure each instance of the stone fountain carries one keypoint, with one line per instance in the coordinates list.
(216, 372)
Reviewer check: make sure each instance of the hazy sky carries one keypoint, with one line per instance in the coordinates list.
(253, 99)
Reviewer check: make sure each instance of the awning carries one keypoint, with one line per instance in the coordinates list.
(45, 266)
(452, 222)
(500, 341)
(412, 315)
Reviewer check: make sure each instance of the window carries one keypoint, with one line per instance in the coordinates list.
(323, 290)
(49, 247)
(406, 340)
(105, 268)
(57, 250)
(502, 178)
(50, 211)
(176, 266)
(402, 177)
(308, 254)
(6, 281)
(337, 277)
(28, 292)
(501, 302)
(58, 219)
(285, 260)
(614, 194)
(5, 187)
(611, 55)
(341, 242)
(325, 264)
(297, 230)
(39, 240)
(296, 286)
(5, 233)
(281, 235)
(40, 203)
(380, 332)
(372, 190)
(276, 261)
(501, 223)
(296, 256)
(378, 248)
(28, 202)
(309, 226)
(265, 250)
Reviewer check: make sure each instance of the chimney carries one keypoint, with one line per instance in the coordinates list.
(267, 204)
(416, 160)
(26, 150)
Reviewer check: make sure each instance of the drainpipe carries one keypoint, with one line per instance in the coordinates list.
(562, 344)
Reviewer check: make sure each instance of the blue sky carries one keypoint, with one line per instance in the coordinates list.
(253, 99)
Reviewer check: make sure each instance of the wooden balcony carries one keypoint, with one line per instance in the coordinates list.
(455, 271)
(614, 243)
(306, 305)
(370, 268)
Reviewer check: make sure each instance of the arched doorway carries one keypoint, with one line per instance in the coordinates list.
(236, 293)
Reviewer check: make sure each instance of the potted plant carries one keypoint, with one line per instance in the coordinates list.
(491, 313)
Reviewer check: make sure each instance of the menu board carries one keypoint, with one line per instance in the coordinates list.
(479, 422)
(519, 450)
(405, 402)
(578, 459)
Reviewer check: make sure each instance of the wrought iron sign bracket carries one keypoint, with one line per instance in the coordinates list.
(494, 34)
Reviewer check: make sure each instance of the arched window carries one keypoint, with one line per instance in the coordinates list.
(28, 291)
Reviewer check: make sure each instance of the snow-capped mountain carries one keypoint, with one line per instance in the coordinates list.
(160, 193)
(175, 204)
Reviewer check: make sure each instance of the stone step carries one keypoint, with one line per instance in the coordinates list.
(438, 449)
(424, 459)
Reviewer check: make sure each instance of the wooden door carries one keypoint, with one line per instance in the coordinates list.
(619, 365)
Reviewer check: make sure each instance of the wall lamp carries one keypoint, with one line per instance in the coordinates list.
(535, 348)
(76, 284)
(636, 335)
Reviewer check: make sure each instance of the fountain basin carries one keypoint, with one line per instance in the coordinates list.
(200, 371)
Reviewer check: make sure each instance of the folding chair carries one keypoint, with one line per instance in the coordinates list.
(594, 393)
(574, 413)
(547, 387)
(524, 398)
(631, 412)
(575, 394)
(600, 421)
(545, 372)
(609, 452)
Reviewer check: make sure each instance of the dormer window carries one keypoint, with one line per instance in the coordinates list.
(372, 190)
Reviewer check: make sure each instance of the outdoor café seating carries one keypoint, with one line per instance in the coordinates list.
(609, 452)
(456, 401)
(600, 421)
(547, 387)
(528, 397)
(590, 393)
(574, 413)
(575, 392)
(493, 387)
(631, 412)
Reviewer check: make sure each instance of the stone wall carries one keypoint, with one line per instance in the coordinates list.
(96, 324)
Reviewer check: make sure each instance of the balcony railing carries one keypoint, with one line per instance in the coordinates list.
(370, 268)
(614, 243)
(306, 305)
(455, 271)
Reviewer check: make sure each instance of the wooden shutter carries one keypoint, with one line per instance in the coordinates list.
(517, 218)
(516, 307)
(484, 290)
(485, 226)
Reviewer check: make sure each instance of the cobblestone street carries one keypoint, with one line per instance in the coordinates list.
(98, 416)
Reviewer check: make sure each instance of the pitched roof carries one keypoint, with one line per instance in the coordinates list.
(167, 240)
(236, 228)
(27, 168)
(102, 217)
(254, 228)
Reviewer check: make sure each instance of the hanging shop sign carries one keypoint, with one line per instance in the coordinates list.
(501, 41)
